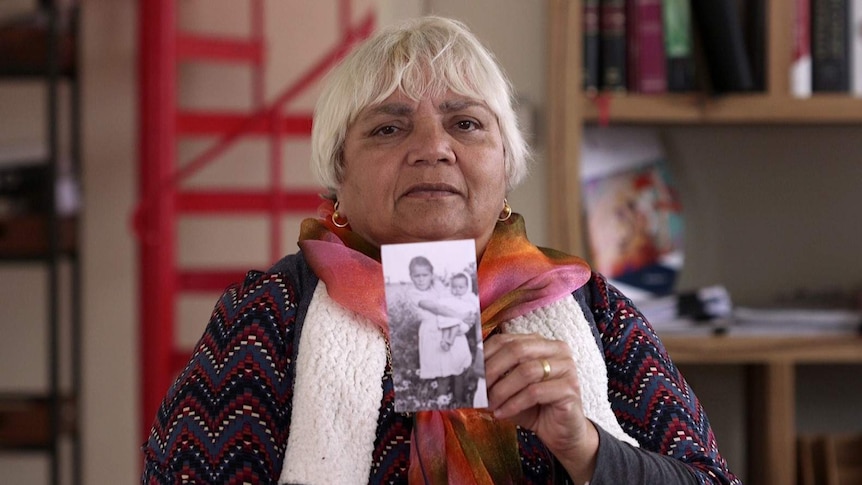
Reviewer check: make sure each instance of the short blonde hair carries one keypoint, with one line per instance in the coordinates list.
(422, 56)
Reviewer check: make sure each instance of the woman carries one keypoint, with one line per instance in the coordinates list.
(416, 140)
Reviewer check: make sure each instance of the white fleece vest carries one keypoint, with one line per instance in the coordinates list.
(337, 393)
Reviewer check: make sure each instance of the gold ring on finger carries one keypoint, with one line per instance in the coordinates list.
(546, 368)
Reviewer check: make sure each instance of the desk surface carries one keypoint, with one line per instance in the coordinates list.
(731, 349)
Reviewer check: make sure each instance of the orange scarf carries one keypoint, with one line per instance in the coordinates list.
(515, 277)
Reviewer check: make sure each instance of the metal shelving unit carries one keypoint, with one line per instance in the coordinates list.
(40, 47)
(164, 201)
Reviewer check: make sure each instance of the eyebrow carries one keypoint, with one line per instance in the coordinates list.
(404, 109)
(395, 109)
(460, 104)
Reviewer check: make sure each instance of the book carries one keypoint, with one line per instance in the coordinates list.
(592, 46)
(800, 67)
(830, 39)
(678, 45)
(721, 33)
(754, 27)
(645, 54)
(633, 210)
(856, 46)
(807, 321)
(707, 309)
(612, 32)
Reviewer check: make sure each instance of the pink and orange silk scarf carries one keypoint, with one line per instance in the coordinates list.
(515, 277)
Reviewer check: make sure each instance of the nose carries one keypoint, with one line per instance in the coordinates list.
(430, 143)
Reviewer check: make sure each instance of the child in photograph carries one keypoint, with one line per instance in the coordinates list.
(424, 289)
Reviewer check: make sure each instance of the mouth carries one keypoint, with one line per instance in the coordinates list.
(430, 191)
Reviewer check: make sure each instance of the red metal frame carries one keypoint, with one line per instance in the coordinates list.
(162, 201)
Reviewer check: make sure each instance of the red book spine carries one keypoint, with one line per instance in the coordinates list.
(647, 64)
(800, 68)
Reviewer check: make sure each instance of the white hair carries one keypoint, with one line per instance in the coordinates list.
(419, 57)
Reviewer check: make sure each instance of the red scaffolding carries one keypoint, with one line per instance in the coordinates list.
(163, 123)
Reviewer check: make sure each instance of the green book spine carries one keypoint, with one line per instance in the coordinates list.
(678, 44)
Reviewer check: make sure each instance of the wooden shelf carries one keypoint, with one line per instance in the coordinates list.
(754, 108)
(839, 349)
(25, 421)
(26, 237)
(26, 46)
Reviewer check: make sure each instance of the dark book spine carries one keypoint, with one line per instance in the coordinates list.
(721, 34)
(755, 33)
(856, 47)
(612, 30)
(646, 66)
(592, 69)
(678, 45)
(830, 46)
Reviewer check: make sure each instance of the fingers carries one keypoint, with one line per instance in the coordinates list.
(533, 382)
(524, 371)
(513, 393)
(504, 354)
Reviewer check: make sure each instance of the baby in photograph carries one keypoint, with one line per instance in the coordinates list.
(462, 303)
(456, 314)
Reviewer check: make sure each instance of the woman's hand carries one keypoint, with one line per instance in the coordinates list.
(547, 403)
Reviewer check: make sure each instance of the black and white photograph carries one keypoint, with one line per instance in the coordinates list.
(432, 302)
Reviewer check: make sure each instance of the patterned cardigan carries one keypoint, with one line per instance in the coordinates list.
(227, 417)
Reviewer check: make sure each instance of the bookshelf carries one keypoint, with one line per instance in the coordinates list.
(570, 108)
(39, 51)
(770, 362)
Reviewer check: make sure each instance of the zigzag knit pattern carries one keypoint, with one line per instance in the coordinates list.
(226, 419)
(649, 397)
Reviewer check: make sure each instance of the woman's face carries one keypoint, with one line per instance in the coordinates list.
(423, 171)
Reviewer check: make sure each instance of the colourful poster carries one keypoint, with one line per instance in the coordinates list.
(633, 211)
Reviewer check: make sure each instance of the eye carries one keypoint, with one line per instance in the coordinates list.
(467, 125)
(386, 130)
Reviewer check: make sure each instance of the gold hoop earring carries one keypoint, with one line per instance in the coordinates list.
(507, 212)
(336, 215)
